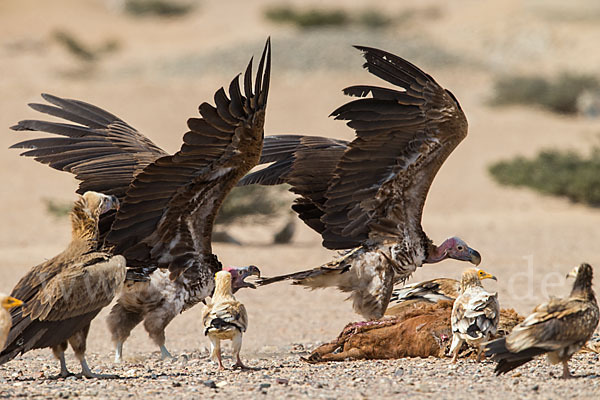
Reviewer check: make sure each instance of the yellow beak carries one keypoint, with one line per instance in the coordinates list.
(573, 273)
(488, 276)
(11, 302)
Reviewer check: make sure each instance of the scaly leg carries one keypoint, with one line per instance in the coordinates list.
(119, 352)
(566, 373)
(237, 346)
(164, 353)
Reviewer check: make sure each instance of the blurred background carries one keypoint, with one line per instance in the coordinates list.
(522, 188)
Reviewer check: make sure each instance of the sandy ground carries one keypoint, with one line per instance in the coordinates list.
(164, 69)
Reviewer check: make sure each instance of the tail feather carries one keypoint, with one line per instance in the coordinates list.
(302, 277)
(507, 361)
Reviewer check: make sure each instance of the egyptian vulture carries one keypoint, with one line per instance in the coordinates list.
(367, 196)
(6, 303)
(559, 328)
(224, 318)
(64, 294)
(475, 313)
(168, 202)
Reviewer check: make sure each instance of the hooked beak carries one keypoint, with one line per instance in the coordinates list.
(475, 257)
(572, 273)
(115, 202)
(489, 276)
(243, 273)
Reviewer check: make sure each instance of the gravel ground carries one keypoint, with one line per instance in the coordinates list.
(285, 375)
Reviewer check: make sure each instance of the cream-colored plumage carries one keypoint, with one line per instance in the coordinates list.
(6, 303)
(224, 318)
(475, 313)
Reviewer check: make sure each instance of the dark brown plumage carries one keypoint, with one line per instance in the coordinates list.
(65, 293)
(169, 202)
(367, 196)
(558, 328)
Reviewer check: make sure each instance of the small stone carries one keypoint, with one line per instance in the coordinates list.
(210, 383)
(399, 372)
(222, 384)
(282, 381)
(535, 388)
(176, 384)
(263, 386)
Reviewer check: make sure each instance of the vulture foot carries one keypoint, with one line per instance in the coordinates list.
(87, 372)
(164, 353)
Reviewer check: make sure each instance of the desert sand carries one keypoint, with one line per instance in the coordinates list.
(163, 69)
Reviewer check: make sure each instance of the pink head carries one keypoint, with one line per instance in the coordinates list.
(239, 274)
(454, 248)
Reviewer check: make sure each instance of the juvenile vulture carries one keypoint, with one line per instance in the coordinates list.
(560, 328)
(169, 202)
(224, 318)
(475, 313)
(6, 303)
(367, 196)
(64, 294)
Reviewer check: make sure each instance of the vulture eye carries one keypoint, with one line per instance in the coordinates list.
(460, 248)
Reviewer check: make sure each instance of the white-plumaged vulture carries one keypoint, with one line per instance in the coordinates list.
(6, 303)
(558, 328)
(64, 294)
(168, 202)
(224, 318)
(367, 196)
(475, 313)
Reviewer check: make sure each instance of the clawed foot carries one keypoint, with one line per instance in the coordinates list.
(62, 375)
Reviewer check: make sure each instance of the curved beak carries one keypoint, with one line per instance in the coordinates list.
(572, 273)
(243, 273)
(489, 276)
(475, 257)
(115, 202)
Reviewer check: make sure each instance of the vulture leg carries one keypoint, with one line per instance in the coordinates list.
(78, 343)
(566, 373)
(215, 351)
(59, 353)
(155, 323)
(120, 323)
(237, 346)
(455, 348)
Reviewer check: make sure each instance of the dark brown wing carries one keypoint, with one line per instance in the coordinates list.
(307, 164)
(403, 137)
(167, 215)
(101, 150)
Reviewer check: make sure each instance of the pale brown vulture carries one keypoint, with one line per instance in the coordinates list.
(560, 328)
(367, 196)
(224, 318)
(64, 294)
(475, 313)
(6, 303)
(168, 202)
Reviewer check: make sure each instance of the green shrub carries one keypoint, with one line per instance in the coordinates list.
(252, 200)
(558, 95)
(58, 208)
(81, 50)
(560, 173)
(161, 8)
(310, 18)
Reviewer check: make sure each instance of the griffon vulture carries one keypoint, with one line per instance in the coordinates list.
(169, 202)
(64, 294)
(367, 196)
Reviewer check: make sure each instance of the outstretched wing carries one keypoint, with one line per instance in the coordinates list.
(167, 216)
(101, 150)
(374, 187)
(403, 136)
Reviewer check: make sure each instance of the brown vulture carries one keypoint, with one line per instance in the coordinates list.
(475, 313)
(367, 196)
(224, 318)
(6, 303)
(560, 328)
(168, 202)
(64, 294)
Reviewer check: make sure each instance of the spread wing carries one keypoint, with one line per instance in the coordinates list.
(403, 137)
(374, 187)
(167, 215)
(475, 313)
(100, 149)
(554, 325)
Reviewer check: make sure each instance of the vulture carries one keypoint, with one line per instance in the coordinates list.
(430, 291)
(7, 303)
(366, 197)
(64, 294)
(475, 313)
(558, 328)
(224, 318)
(168, 202)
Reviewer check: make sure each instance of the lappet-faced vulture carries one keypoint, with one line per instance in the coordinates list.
(367, 196)
(168, 202)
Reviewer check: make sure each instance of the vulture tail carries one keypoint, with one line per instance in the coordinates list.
(507, 361)
(316, 277)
